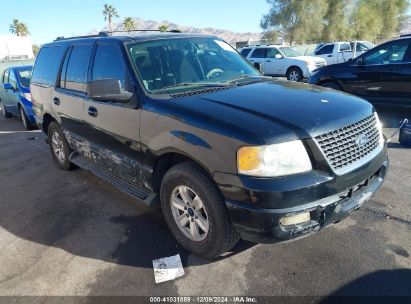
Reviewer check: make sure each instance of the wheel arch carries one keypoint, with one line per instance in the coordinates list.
(168, 159)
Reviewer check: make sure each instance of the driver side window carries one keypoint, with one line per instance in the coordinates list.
(6, 76)
(271, 52)
(388, 54)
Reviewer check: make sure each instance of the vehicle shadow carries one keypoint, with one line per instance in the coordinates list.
(158, 243)
(379, 284)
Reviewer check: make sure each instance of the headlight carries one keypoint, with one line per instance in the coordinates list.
(273, 160)
(379, 127)
(27, 96)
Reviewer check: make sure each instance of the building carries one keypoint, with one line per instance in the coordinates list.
(15, 48)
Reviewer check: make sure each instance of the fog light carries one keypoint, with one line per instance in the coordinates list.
(295, 219)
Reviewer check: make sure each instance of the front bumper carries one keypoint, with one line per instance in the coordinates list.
(263, 225)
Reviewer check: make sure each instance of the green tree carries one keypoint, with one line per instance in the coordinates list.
(163, 28)
(297, 19)
(129, 24)
(109, 13)
(336, 20)
(19, 28)
(36, 49)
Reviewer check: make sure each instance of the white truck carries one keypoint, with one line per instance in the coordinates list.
(338, 52)
(282, 61)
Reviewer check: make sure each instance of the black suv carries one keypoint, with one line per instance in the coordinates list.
(382, 75)
(184, 121)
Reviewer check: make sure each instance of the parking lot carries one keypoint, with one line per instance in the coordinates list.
(70, 233)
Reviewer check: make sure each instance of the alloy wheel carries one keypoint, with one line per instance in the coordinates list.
(189, 213)
(294, 76)
(58, 147)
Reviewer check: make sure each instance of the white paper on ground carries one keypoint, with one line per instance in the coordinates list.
(167, 269)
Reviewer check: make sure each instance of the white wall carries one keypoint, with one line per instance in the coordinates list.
(14, 47)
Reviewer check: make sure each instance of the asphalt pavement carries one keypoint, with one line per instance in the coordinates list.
(70, 233)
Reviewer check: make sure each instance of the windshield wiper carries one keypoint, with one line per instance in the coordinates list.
(196, 84)
(245, 77)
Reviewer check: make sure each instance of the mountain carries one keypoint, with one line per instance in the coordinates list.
(229, 36)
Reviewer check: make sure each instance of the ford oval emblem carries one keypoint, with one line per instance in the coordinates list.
(362, 140)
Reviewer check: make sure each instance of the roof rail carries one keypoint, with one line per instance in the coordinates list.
(106, 34)
(405, 35)
(100, 34)
(170, 31)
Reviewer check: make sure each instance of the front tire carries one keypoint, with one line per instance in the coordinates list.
(195, 212)
(59, 147)
(295, 74)
(25, 120)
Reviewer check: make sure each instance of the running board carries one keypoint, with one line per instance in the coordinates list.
(149, 199)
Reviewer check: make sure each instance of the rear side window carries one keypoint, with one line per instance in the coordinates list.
(12, 80)
(245, 52)
(74, 74)
(47, 65)
(325, 50)
(259, 53)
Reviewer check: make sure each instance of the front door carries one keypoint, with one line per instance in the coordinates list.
(113, 128)
(379, 71)
(274, 66)
(10, 98)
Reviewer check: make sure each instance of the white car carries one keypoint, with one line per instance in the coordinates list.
(282, 61)
(339, 52)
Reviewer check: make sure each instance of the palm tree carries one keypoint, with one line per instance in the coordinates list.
(163, 28)
(129, 24)
(109, 13)
(19, 28)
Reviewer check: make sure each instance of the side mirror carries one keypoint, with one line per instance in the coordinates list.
(107, 90)
(8, 86)
(360, 61)
(278, 56)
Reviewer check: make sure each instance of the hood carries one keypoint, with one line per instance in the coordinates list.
(282, 111)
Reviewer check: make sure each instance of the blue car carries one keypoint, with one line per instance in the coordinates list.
(15, 96)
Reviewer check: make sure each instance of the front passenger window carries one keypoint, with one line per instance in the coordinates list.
(108, 64)
(388, 54)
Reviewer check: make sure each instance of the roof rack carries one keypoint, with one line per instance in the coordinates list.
(405, 35)
(106, 34)
(100, 34)
(170, 31)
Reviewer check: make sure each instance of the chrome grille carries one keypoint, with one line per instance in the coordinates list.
(346, 147)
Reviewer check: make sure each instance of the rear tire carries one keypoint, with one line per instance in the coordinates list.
(6, 114)
(331, 85)
(59, 147)
(295, 74)
(25, 120)
(187, 186)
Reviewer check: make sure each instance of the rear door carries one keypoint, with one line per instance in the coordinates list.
(258, 57)
(70, 94)
(112, 128)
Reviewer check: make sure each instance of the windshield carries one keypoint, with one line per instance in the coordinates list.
(25, 77)
(187, 63)
(290, 52)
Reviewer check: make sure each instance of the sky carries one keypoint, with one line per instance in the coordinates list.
(48, 19)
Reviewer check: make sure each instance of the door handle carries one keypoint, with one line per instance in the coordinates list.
(251, 60)
(56, 101)
(92, 111)
(268, 61)
(330, 56)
